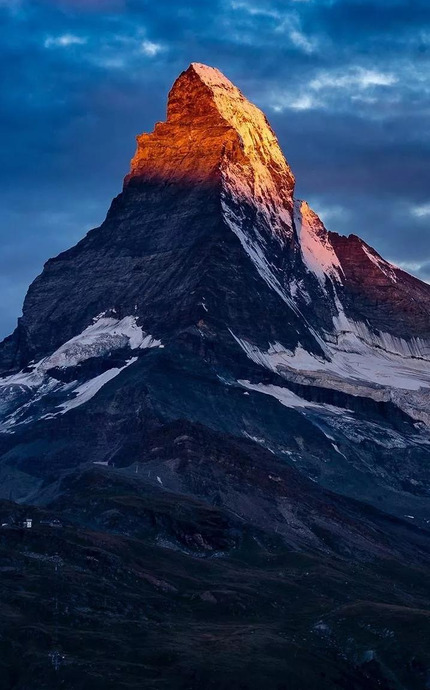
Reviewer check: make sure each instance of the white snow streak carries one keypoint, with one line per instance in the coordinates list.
(317, 252)
(387, 269)
(287, 397)
(87, 390)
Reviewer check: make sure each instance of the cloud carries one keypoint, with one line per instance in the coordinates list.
(301, 41)
(284, 22)
(64, 41)
(331, 214)
(351, 78)
(339, 87)
(421, 270)
(305, 102)
(151, 49)
(254, 10)
(421, 211)
(302, 102)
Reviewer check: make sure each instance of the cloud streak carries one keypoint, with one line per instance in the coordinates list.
(64, 41)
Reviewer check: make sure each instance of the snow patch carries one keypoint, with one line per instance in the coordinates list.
(287, 397)
(87, 390)
(102, 336)
(357, 357)
(22, 391)
(317, 252)
(338, 451)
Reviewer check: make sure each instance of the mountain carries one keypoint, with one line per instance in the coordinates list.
(213, 378)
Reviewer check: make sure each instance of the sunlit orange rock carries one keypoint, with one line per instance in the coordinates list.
(210, 125)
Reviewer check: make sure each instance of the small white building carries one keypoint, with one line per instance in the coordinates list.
(28, 523)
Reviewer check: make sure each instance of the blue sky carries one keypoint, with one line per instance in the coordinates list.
(345, 84)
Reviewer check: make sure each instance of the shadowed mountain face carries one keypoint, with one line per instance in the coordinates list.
(212, 377)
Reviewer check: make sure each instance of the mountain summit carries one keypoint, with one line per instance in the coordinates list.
(229, 406)
(211, 127)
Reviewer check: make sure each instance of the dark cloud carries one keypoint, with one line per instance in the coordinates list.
(345, 83)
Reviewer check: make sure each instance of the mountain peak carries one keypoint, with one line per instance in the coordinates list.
(210, 125)
(211, 76)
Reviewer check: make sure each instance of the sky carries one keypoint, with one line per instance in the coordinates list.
(344, 83)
